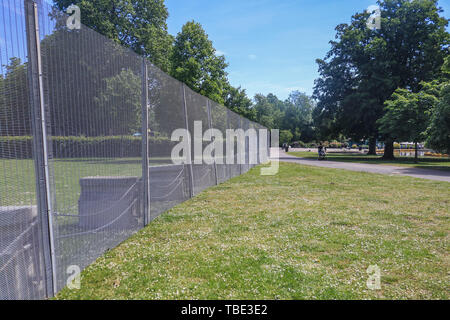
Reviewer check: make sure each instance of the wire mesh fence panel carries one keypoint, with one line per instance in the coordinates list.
(90, 137)
(219, 120)
(22, 273)
(263, 140)
(252, 145)
(234, 145)
(169, 183)
(198, 122)
(245, 166)
(92, 92)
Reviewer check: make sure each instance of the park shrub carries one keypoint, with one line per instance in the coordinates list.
(84, 147)
(335, 144)
(298, 144)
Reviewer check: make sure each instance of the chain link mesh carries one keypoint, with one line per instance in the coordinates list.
(92, 102)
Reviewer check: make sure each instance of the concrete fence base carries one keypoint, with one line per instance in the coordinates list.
(109, 203)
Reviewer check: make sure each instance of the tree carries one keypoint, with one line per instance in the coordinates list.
(119, 103)
(15, 112)
(293, 115)
(194, 62)
(236, 99)
(364, 67)
(77, 62)
(298, 119)
(407, 114)
(285, 136)
(269, 111)
(438, 132)
(136, 24)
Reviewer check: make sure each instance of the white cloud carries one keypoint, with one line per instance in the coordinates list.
(220, 53)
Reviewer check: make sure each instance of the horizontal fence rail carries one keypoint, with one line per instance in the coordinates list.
(86, 147)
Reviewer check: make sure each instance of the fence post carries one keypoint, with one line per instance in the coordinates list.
(208, 106)
(40, 148)
(241, 127)
(191, 170)
(228, 166)
(145, 156)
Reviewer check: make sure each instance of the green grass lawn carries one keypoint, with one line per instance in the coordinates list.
(424, 162)
(17, 178)
(307, 233)
(18, 185)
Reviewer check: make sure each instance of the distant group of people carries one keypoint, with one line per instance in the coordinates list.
(286, 147)
(320, 149)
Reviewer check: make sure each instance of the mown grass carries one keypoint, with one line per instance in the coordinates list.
(424, 162)
(18, 185)
(307, 233)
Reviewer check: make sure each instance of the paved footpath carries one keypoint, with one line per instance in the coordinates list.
(373, 168)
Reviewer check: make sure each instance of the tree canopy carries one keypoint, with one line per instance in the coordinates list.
(365, 66)
(438, 132)
(194, 62)
(136, 24)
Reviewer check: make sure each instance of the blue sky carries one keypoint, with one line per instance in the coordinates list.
(270, 45)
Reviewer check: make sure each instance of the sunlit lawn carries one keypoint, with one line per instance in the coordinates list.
(17, 178)
(424, 162)
(307, 233)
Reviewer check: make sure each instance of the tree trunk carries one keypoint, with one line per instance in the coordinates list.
(416, 158)
(372, 147)
(388, 149)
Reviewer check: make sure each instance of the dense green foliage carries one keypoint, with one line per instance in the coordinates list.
(293, 115)
(15, 113)
(81, 147)
(439, 129)
(407, 115)
(383, 84)
(364, 67)
(423, 115)
(190, 57)
(136, 24)
(438, 132)
(194, 62)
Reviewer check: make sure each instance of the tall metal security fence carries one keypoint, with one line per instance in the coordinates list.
(86, 150)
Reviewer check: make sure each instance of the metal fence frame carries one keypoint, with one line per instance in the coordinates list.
(42, 147)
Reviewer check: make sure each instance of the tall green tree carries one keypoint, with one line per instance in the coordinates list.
(286, 136)
(364, 66)
(269, 111)
(407, 114)
(194, 62)
(15, 112)
(136, 24)
(237, 100)
(298, 119)
(76, 62)
(119, 103)
(438, 132)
